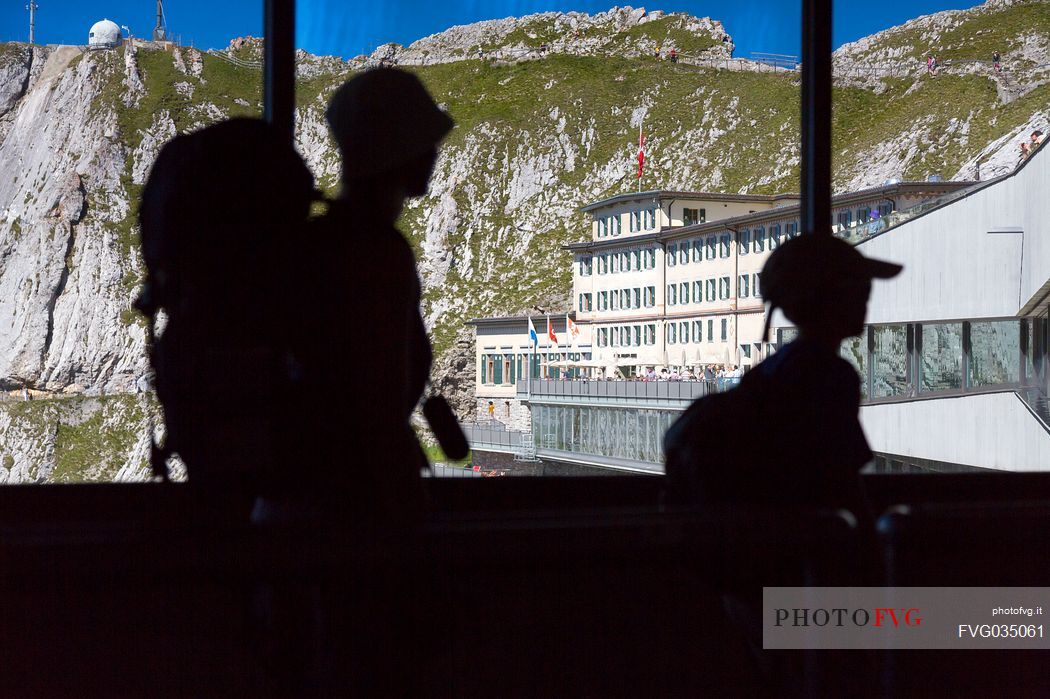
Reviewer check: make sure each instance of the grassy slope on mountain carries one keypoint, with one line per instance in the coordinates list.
(221, 84)
(982, 31)
(863, 120)
(91, 437)
(598, 94)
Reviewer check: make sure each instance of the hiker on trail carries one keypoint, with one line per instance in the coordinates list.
(931, 65)
(995, 62)
(674, 56)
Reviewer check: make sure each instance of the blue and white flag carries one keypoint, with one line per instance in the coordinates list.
(533, 337)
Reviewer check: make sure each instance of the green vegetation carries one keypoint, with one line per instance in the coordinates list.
(95, 448)
(982, 32)
(435, 455)
(91, 437)
(863, 121)
(669, 31)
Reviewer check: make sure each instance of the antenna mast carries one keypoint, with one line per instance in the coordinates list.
(158, 32)
(32, 7)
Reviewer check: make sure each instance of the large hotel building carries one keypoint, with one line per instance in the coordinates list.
(670, 279)
(953, 359)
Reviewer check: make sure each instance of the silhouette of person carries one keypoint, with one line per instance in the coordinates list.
(365, 357)
(215, 209)
(805, 397)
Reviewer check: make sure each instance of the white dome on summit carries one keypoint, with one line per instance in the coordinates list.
(104, 35)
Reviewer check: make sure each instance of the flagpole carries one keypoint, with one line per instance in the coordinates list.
(640, 151)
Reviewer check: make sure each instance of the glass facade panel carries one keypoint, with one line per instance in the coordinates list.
(995, 353)
(633, 434)
(942, 353)
(855, 351)
(890, 362)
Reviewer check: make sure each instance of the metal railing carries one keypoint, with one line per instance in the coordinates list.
(642, 390)
(493, 439)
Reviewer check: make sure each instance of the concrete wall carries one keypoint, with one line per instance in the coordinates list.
(993, 430)
(954, 268)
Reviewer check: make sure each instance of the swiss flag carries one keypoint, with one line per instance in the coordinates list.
(641, 152)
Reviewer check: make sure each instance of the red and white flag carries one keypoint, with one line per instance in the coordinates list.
(641, 151)
(572, 330)
(550, 331)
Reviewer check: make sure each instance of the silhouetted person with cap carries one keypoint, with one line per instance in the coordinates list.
(798, 440)
(804, 399)
(363, 347)
(364, 360)
(216, 210)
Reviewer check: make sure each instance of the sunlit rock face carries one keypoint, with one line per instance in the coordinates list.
(548, 109)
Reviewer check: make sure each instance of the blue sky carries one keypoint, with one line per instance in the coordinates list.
(349, 27)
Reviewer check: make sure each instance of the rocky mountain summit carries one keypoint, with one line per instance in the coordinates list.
(547, 111)
(624, 32)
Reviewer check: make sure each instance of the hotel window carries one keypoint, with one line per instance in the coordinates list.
(683, 252)
(637, 336)
(650, 296)
(637, 292)
(845, 218)
(650, 219)
(698, 326)
(603, 227)
(672, 255)
(603, 337)
(745, 242)
(693, 216)
(754, 285)
(672, 295)
(650, 334)
(710, 330)
(585, 266)
(497, 369)
(672, 334)
(603, 264)
(724, 247)
(683, 332)
(650, 258)
(774, 237)
(791, 229)
(759, 244)
(698, 250)
(710, 289)
(885, 209)
(636, 259)
(725, 329)
(863, 214)
(742, 285)
(723, 288)
(485, 363)
(698, 291)
(712, 247)
(636, 221)
(615, 262)
(683, 292)
(603, 300)
(615, 300)
(614, 340)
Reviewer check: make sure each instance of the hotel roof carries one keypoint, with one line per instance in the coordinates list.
(658, 194)
(881, 192)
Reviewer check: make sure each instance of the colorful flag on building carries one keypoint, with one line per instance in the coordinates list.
(533, 337)
(572, 330)
(641, 151)
(550, 331)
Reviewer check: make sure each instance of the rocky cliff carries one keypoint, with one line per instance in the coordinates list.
(547, 109)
